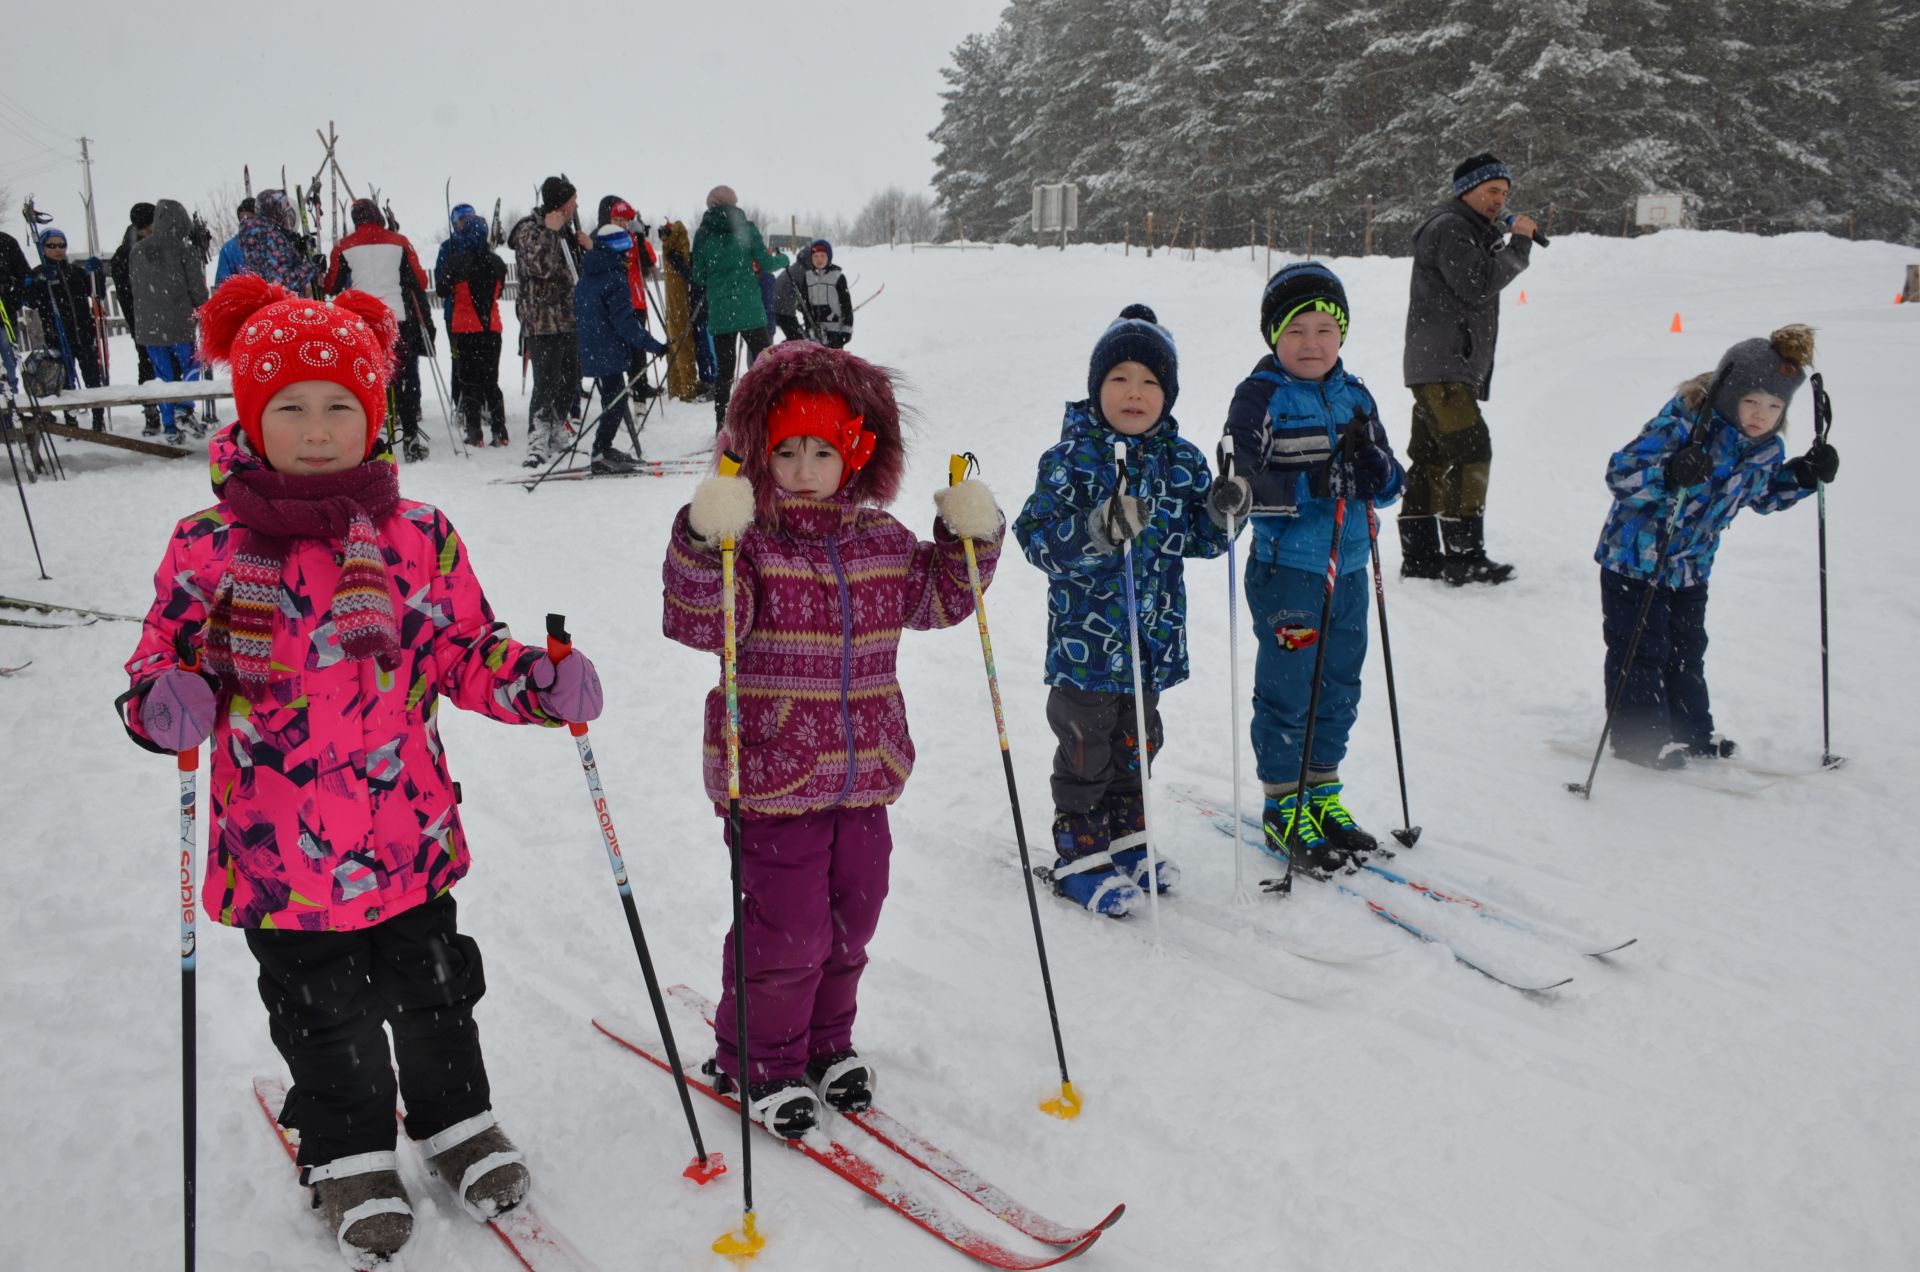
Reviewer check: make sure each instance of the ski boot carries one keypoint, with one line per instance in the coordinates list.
(486, 1170)
(1292, 834)
(1662, 757)
(191, 424)
(473, 437)
(364, 1205)
(783, 1105)
(843, 1081)
(1127, 842)
(499, 437)
(612, 462)
(1324, 806)
(1713, 747)
(1466, 559)
(413, 446)
(150, 421)
(1084, 872)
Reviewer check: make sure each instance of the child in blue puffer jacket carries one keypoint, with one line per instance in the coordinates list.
(1714, 449)
(610, 331)
(1074, 527)
(1307, 444)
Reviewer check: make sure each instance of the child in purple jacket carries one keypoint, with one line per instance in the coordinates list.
(825, 582)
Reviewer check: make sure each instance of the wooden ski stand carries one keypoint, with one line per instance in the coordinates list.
(36, 420)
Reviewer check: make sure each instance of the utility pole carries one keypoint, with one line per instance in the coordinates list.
(93, 230)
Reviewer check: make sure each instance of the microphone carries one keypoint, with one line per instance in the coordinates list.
(1539, 239)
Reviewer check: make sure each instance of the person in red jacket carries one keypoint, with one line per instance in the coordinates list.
(381, 261)
(470, 281)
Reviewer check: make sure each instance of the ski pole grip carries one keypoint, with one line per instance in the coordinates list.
(559, 643)
(1120, 462)
(184, 649)
(729, 464)
(957, 466)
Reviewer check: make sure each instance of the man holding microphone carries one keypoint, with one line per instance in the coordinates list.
(1462, 258)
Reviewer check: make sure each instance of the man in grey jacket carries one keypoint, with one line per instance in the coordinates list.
(169, 283)
(1462, 258)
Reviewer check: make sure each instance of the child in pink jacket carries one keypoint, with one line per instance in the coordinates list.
(825, 583)
(331, 615)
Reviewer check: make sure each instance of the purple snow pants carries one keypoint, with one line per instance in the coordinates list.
(812, 889)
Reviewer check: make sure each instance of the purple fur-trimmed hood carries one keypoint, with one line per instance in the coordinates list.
(868, 389)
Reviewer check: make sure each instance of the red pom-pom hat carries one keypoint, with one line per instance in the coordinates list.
(272, 339)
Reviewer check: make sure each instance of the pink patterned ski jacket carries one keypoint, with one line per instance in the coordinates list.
(820, 605)
(332, 807)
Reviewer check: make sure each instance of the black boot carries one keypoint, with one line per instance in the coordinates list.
(1420, 548)
(1466, 560)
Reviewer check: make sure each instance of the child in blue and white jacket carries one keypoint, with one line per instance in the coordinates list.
(1305, 435)
(1075, 526)
(1713, 449)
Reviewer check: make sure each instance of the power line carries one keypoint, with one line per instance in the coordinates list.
(29, 117)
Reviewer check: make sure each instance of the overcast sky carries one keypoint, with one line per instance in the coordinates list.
(799, 107)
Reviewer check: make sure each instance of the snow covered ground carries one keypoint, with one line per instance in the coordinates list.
(1736, 1090)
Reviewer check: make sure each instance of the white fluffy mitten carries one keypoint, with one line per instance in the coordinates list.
(722, 508)
(969, 510)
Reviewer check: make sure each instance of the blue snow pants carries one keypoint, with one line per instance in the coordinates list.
(1665, 698)
(1285, 606)
(171, 364)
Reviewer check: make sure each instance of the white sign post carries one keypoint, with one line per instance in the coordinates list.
(1056, 207)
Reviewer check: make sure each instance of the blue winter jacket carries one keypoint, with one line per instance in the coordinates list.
(1087, 639)
(231, 261)
(604, 317)
(1746, 474)
(1284, 430)
(440, 268)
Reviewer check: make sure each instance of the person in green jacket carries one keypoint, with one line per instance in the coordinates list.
(726, 249)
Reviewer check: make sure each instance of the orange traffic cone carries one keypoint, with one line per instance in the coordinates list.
(1899, 298)
(1523, 297)
(1676, 322)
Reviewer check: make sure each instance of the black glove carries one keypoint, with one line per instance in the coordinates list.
(1358, 469)
(1229, 500)
(1689, 466)
(1820, 464)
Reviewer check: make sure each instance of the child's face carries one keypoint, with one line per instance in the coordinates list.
(1131, 399)
(313, 427)
(819, 259)
(1309, 345)
(807, 466)
(1760, 414)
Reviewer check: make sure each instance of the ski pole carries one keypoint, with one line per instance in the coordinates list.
(747, 1242)
(433, 364)
(1240, 894)
(1300, 803)
(1408, 834)
(6, 431)
(1139, 707)
(189, 764)
(1067, 1103)
(704, 1168)
(1822, 425)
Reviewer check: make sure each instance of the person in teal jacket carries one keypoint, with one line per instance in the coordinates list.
(726, 249)
(1306, 438)
(1075, 526)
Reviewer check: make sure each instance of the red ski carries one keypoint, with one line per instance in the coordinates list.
(533, 1245)
(866, 1176)
(941, 1164)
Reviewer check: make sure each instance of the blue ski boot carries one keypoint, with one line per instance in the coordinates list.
(1127, 841)
(1084, 871)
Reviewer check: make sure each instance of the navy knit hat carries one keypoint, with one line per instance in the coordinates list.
(613, 237)
(1477, 171)
(1302, 285)
(1136, 336)
(821, 245)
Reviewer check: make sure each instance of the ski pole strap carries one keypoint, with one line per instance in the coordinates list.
(1822, 409)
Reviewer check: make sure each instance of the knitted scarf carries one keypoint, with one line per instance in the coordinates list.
(271, 510)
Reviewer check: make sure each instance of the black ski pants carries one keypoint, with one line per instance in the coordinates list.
(476, 381)
(1665, 698)
(611, 389)
(1097, 755)
(556, 377)
(327, 995)
(724, 352)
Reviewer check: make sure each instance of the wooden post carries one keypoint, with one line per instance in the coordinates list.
(1309, 240)
(892, 230)
(1551, 209)
(333, 181)
(1912, 293)
(1193, 245)
(1126, 238)
(1269, 242)
(1253, 236)
(1173, 239)
(1149, 234)
(793, 232)
(1366, 248)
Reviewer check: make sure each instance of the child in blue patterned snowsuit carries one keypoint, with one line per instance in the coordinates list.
(1713, 449)
(1306, 438)
(1075, 527)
